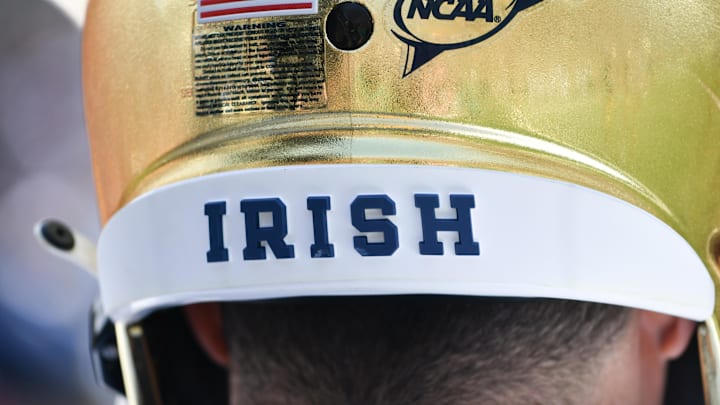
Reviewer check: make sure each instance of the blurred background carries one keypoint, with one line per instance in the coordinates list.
(44, 172)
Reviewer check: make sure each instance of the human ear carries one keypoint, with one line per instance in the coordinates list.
(206, 322)
(670, 334)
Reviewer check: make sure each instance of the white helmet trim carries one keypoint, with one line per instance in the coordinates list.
(535, 237)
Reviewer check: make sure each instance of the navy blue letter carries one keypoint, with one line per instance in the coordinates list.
(274, 234)
(390, 232)
(215, 212)
(462, 224)
(319, 207)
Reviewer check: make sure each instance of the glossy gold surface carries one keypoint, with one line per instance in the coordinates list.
(619, 96)
(631, 88)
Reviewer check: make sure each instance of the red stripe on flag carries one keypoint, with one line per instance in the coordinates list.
(253, 9)
(213, 2)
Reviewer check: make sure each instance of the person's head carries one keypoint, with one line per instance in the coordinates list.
(437, 156)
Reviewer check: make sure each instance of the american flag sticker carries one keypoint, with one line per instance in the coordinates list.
(223, 10)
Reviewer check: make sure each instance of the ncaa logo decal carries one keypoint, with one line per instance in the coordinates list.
(430, 27)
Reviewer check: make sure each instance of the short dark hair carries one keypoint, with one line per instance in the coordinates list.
(416, 349)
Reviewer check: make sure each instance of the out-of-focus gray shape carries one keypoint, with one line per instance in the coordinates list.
(44, 172)
(75, 9)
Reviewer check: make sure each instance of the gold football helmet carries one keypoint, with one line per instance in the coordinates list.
(279, 148)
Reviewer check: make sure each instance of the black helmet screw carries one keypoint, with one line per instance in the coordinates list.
(349, 26)
(58, 235)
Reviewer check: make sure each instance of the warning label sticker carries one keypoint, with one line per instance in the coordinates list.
(259, 65)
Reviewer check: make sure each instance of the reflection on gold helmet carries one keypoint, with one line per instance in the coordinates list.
(605, 101)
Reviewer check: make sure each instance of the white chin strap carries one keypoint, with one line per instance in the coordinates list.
(66, 243)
